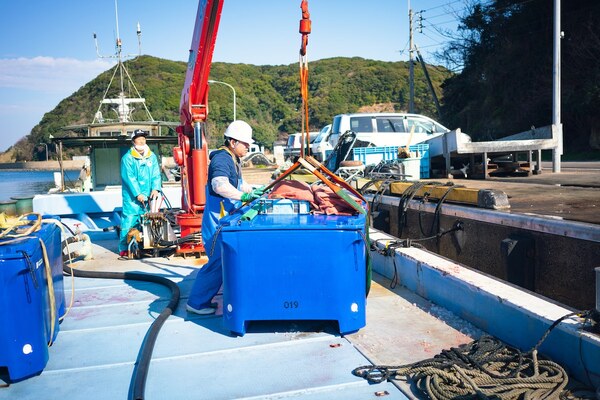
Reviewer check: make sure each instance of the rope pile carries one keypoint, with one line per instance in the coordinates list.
(477, 370)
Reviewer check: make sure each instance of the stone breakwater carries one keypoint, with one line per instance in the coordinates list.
(42, 165)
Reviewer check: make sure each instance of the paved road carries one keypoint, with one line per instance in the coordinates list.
(573, 165)
(573, 194)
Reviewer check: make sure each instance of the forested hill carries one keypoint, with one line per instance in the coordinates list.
(267, 96)
(504, 50)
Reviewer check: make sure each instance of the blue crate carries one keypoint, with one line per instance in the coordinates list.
(25, 331)
(373, 155)
(275, 268)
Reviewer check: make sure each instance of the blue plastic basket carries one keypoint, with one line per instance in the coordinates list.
(373, 155)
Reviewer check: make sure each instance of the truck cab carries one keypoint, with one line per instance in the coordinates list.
(292, 148)
(321, 144)
(386, 129)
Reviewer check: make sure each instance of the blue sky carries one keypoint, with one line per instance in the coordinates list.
(47, 50)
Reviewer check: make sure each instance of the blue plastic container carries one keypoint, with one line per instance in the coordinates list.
(294, 267)
(25, 330)
(373, 155)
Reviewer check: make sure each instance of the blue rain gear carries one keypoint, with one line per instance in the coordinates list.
(210, 276)
(139, 175)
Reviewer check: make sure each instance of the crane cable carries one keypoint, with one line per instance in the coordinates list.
(305, 28)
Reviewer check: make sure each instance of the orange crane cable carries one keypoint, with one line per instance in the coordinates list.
(304, 93)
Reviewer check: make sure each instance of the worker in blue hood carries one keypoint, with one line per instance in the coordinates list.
(141, 181)
(225, 192)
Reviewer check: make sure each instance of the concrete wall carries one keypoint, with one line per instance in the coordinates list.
(554, 265)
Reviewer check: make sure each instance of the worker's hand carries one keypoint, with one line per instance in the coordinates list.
(258, 191)
(154, 194)
(141, 198)
(246, 197)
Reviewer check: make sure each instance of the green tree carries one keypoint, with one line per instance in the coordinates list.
(268, 97)
(505, 50)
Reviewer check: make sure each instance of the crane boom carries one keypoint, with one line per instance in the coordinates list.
(194, 97)
(192, 153)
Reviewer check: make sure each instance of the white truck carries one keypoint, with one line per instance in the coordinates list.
(292, 149)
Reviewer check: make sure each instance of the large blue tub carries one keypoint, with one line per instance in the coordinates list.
(294, 267)
(25, 308)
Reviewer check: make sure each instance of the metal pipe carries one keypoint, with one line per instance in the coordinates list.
(198, 135)
(558, 151)
(411, 68)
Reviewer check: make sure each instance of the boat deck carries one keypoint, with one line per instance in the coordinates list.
(195, 357)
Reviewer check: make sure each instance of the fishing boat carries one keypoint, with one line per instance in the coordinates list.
(419, 305)
(407, 324)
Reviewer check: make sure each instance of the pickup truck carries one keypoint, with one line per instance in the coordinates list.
(292, 148)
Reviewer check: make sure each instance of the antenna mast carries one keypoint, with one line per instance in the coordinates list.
(123, 109)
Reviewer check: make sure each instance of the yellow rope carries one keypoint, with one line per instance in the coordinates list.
(51, 296)
(13, 228)
(72, 300)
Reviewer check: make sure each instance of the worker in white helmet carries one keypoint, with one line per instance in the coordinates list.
(225, 192)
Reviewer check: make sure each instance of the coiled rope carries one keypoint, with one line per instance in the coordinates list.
(487, 368)
(481, 369)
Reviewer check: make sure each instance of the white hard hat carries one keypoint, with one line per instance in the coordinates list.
(240, 130)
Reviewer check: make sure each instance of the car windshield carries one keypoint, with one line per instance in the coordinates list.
(291, 141)
(422, 125)
(322, 136)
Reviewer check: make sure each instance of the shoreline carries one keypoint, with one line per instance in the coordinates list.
(51, 165)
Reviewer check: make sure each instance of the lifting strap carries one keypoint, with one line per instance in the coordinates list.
(334, 182)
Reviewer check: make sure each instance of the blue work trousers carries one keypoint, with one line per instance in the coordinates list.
(208, 281)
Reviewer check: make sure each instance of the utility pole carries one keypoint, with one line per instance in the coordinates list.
(558, 151)
(411, 68)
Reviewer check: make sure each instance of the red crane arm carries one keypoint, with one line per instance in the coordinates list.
(194, 97)
(192, 153)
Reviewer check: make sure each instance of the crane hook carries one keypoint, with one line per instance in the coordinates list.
(305, 26)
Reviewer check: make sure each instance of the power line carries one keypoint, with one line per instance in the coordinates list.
(405, 46)
(455, 13)
(442, 23)
(429, 45)
(434, 31)
(434, 40)
(444, 5)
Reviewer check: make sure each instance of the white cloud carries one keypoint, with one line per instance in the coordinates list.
(30, 87)
(49, 74)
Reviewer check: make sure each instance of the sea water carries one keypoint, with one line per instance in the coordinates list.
(29, 183)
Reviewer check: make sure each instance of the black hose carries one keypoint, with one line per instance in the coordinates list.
(140, 372)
